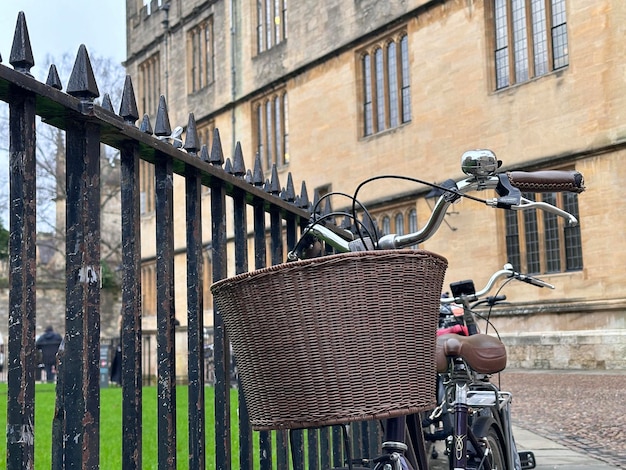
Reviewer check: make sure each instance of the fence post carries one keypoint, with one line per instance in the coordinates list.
(166, 383)
(221, 351)
(22, 272)
(81, 368)
(131, 291)
(195, 309)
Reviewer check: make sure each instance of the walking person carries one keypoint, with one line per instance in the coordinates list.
(48, 343)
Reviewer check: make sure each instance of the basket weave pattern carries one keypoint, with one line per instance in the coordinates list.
(335, 339)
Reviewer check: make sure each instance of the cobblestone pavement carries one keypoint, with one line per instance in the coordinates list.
(585, 411)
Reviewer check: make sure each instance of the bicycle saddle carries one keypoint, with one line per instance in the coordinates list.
(483, 353)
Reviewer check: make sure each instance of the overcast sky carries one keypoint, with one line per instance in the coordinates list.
(57, 27)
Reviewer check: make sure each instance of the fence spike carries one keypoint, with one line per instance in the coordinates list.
(275, 183)
(303, 200)
(217, 155)
(21, 57)
(266, 185)
(368, 224)
(82, 83)
(328, 208)
(228, 167)
(204, 153)
(248, 177)
(106, 103)
(316, 202)
(192, 141)
(290, 193)
(162, 126)
(145, 126)
(239, 166)
(128, 106)
(53, 79)
(257, 175)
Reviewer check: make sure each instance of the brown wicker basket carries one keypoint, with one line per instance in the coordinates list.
(336, 339)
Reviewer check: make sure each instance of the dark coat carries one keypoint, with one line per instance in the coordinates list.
(48, 344)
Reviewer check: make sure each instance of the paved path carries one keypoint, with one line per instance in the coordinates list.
(549, 454)
(571, 420)
(552, 455)
(581, 413)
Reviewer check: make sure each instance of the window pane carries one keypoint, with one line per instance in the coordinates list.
(270, 134)
(540, 39)
(573, 241)
(278, 126)
(268, 23)
(284, 19)
(285, 129)
(194, 61)
(558, 12)
(551, 234)
(386, 225)
(531, 233)
(559, 34)
(512, 240)
(520, 41)
(559, 44)
(209, 51)
(259, 132)
(399, 224)
(406, 80)
(413, 224)
(368, 122)
(277, 29)
(502, 41)
(412, 221)
(380, 90)
(259, 14)
(392, 68)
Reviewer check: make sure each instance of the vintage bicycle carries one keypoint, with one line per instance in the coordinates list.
(351, 336)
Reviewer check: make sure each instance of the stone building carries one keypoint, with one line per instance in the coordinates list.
(335, 92)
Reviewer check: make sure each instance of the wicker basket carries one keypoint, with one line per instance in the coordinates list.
(336, 339)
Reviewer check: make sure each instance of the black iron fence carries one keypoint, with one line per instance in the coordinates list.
(277, 214)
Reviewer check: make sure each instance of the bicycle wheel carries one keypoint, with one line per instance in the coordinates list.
(495, 455)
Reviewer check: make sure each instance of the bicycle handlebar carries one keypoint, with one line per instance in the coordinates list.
(547, 181)
(510, 198)
(481, 166)
(506, 272)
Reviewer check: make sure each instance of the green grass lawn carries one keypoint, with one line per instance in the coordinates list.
(111, 426)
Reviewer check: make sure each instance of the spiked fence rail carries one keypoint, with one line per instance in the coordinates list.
(87, 124)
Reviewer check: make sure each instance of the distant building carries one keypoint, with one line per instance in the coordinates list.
(335, 92)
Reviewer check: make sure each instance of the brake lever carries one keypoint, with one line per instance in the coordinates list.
(533, 281)
(526, 204)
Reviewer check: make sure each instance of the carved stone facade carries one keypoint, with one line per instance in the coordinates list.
(467, 88)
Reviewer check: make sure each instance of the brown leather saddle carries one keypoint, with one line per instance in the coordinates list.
(483, 353)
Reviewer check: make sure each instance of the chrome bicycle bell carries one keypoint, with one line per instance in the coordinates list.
(481, 162)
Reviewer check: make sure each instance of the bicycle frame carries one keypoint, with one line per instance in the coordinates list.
(394, 446)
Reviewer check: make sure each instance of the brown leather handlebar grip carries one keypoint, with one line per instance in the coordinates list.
(547, 181)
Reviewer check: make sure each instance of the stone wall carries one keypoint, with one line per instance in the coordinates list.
(586, 349)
